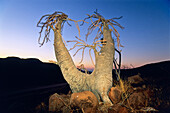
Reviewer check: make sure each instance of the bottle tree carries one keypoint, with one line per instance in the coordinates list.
(100, 80)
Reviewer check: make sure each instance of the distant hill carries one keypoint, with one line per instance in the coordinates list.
(158, 73)
(18, 74)
(160, 67)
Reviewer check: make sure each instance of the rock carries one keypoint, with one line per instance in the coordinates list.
(58, 102)
(66, 98)
(86, 101)
(138, 89)
(41, 107)
(136, 79)
(137, 100)
(103, 107)
(115, 95)
(123, 110)
(117, 109)
(148, 93)
(65, 109)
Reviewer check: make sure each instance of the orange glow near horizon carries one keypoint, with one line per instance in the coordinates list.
(88, 65)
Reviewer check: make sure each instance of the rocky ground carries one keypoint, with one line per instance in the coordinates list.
(134, 96)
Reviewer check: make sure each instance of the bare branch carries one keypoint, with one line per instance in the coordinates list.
(91, 56)
(68, 23)
(116, 64)
(78, 50)
(76, 23)
(82, 55)
(117, 17)
(100, 22)
(81, 40)
(50, 21)
(117, 24)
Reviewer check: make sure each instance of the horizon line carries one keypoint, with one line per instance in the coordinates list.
(88, 68)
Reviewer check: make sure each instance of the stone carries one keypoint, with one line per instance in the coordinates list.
(103, 107)
(41, 107)
(66, 109)
(57, 102)
(137, 100)
(148, 93)
(123, 110)
(86, 101)
(136, 79)
(117, 108)
(115, 95)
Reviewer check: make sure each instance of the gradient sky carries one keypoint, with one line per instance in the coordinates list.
(146, 35)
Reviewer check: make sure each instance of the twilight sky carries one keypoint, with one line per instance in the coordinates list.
(146, 37)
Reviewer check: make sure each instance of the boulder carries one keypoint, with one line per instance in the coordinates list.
(41, 107)
(103, 107)
(148, 93)
(136, 79)
(58, 102)
(115, 95)
(137, 100)
(86, 101)
(117, 108)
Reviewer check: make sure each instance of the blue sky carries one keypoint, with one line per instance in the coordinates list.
(146, 35)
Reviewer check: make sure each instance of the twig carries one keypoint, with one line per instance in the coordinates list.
(51, 22)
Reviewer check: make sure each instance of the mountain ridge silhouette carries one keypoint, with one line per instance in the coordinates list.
(17, 73)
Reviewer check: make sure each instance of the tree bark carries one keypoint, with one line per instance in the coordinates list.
(100, 81)
(74, 77)
(104, 66)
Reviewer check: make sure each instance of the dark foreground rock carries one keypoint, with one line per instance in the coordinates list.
(136, 79)
(117, 108)
(137, 100)
(59, 103)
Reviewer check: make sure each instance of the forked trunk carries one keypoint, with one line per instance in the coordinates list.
(100, 81)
